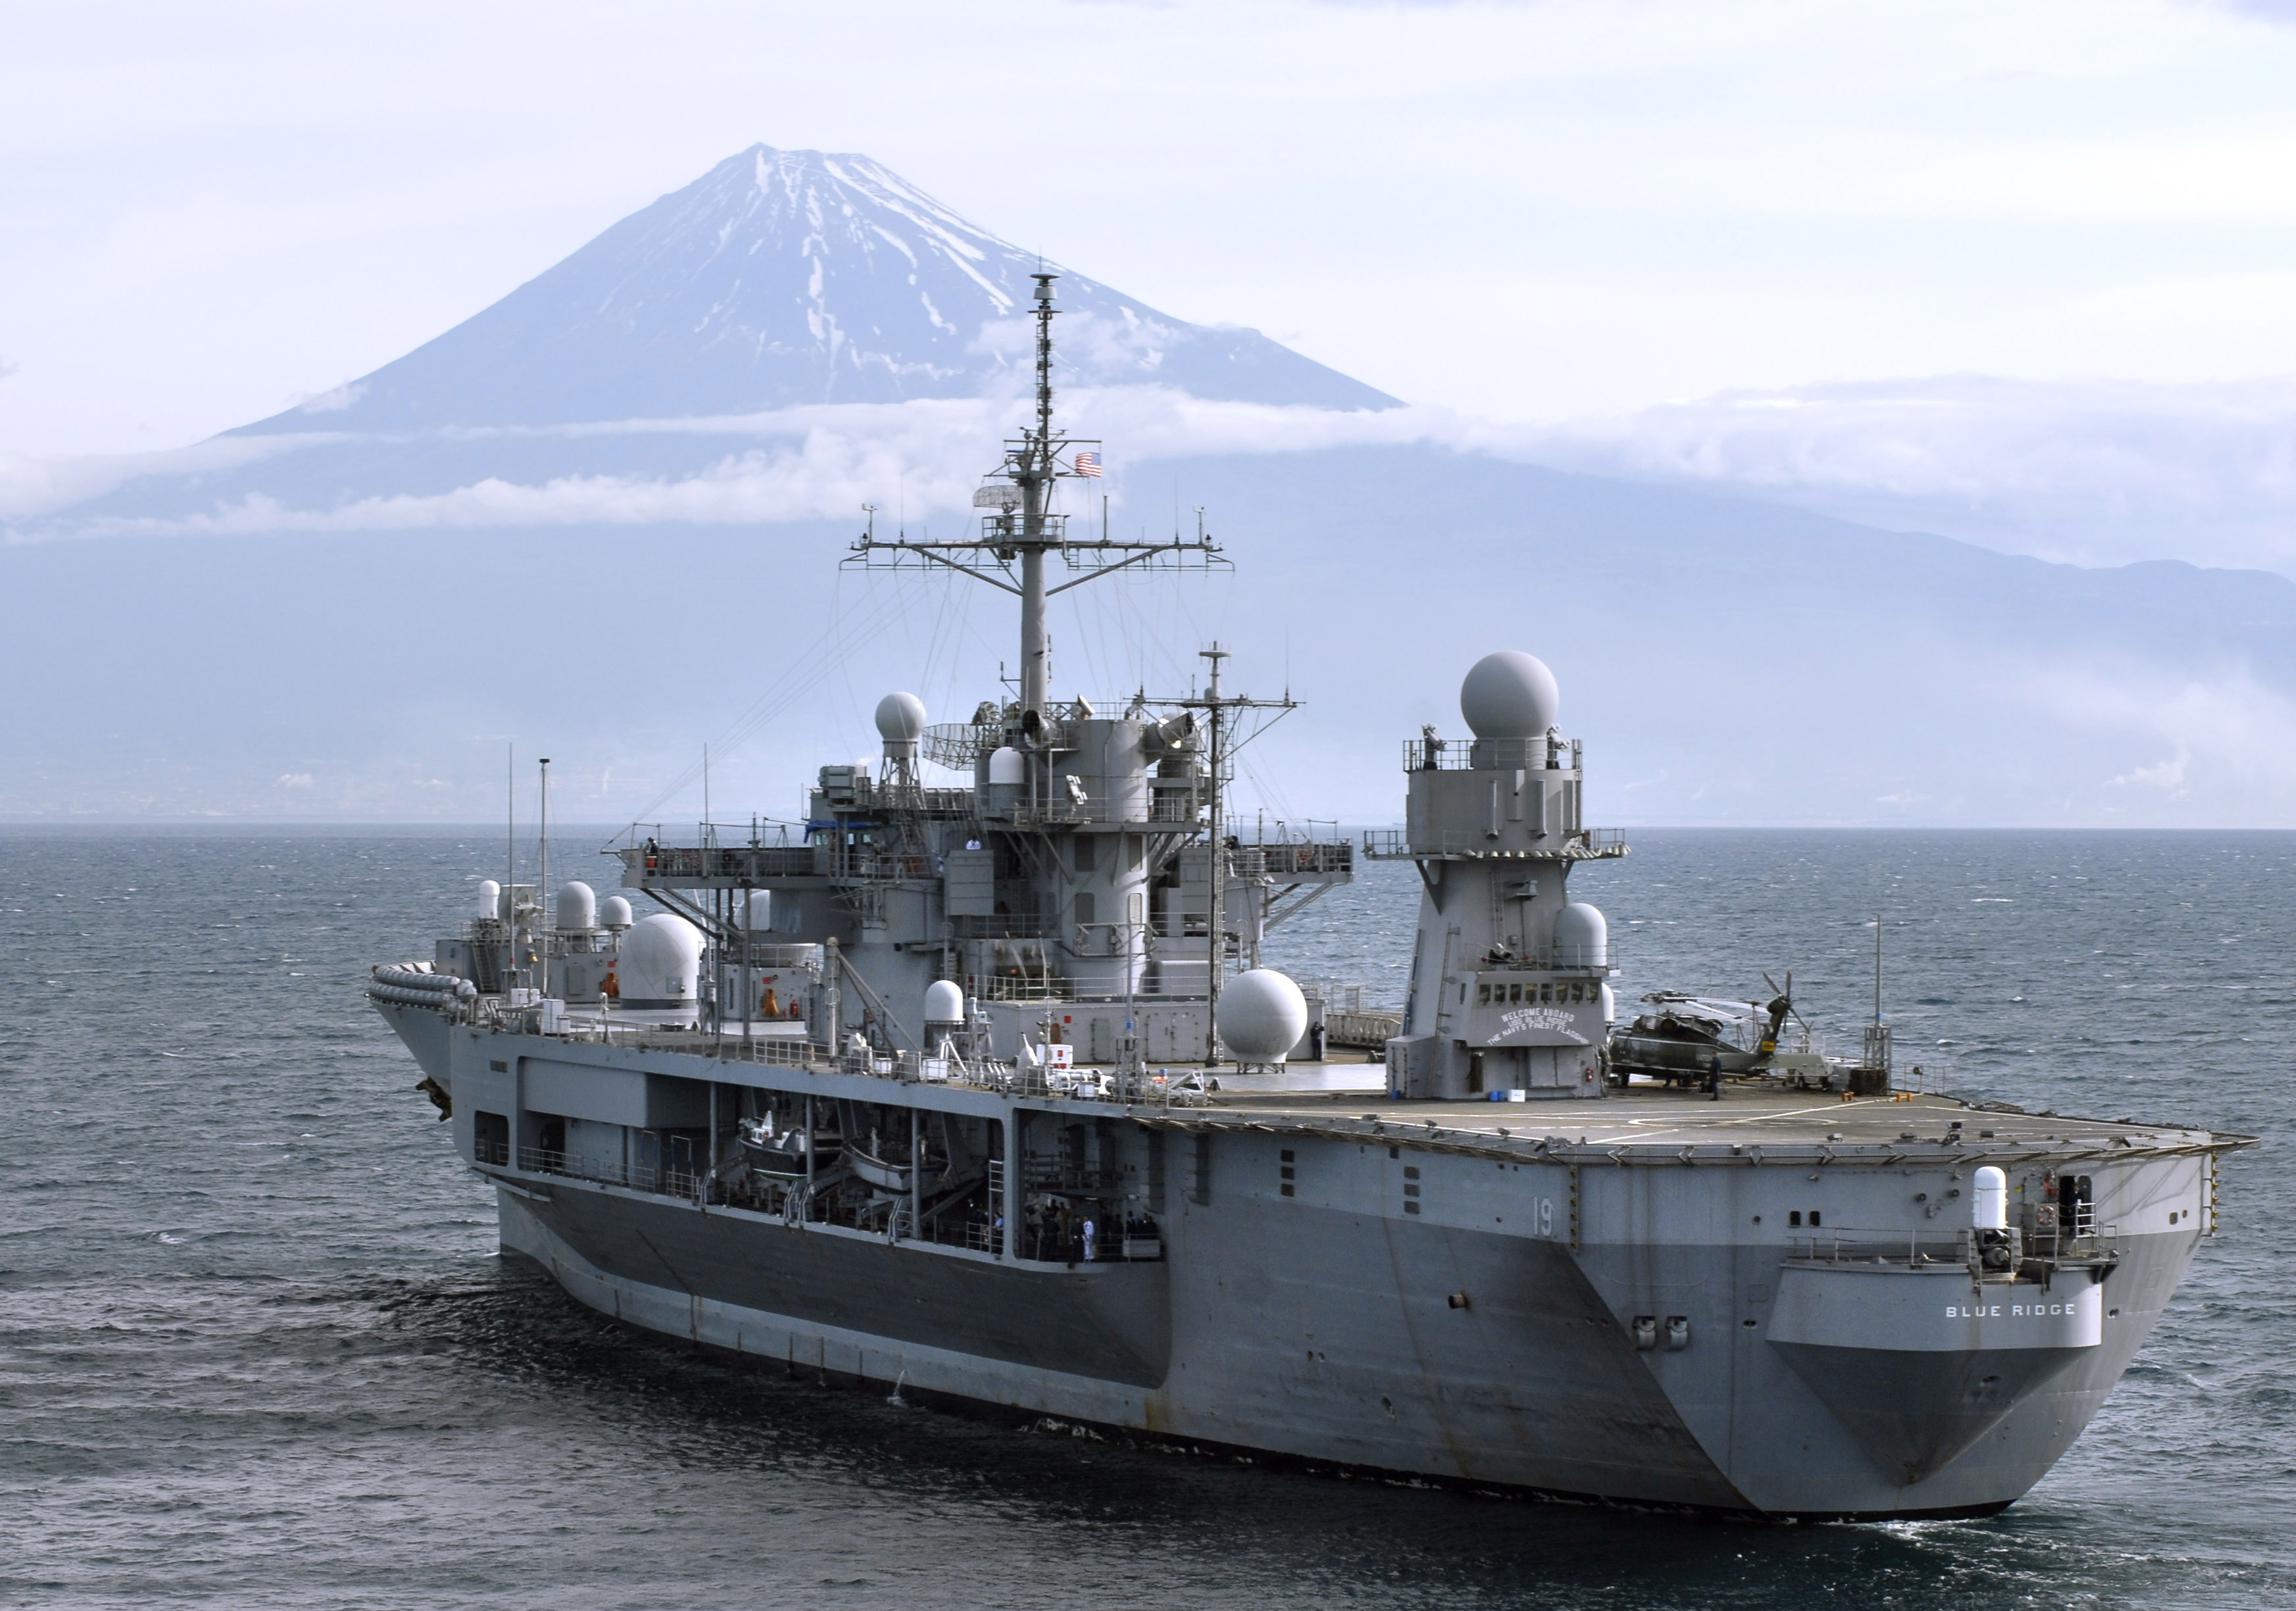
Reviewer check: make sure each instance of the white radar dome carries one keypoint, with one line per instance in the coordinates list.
(1582, 938)
(900, 719)
(1990, 1201)
(1262, 1015)
(1006, 767)
(614, 912)
(578, 907)
(944, 1002)
(661, 963)
(489, 899)
(1509, 695)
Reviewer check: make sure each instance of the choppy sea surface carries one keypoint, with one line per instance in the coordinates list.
(257, 1348)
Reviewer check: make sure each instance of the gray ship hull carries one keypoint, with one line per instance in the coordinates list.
(1465, 1341)
(1538, 1394)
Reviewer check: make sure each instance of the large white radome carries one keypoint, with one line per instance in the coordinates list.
(661, 962)
(1262, 1015)
(1509, 694)
(944, 1002)
(578, 907)
(900, 719)
(1582, 937)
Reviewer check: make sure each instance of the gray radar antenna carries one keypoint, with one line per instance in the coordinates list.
(1020, 527)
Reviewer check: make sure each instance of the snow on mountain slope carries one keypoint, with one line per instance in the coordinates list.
(789, 277)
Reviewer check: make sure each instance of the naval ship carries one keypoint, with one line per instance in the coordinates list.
(982, 1093)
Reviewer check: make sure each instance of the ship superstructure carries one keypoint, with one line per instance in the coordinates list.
(921, 1096)
(1078, 872)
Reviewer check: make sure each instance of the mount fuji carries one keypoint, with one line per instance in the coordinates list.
(788, 277)
(604, 515)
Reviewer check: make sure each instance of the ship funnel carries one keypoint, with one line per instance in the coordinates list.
(1990, 1201)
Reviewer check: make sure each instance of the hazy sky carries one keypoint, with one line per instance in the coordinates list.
(1527, 212)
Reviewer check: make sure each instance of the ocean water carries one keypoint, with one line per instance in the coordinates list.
(257, 1347)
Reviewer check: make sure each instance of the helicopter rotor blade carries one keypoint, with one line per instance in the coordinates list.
(1788, 994)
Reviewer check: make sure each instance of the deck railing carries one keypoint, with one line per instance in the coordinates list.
(1578, 844)
(659, 1178)
(812, 1056)
(958, 1220)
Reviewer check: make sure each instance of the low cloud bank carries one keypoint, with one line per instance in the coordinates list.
(807, 462)
(2091, 472)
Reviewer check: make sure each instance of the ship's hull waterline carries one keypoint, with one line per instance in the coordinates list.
(1536, 1395)
(1463, 1339)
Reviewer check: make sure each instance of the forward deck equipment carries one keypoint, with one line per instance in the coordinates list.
(940, 1096)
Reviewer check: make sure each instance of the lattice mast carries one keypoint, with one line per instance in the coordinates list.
(1020, 528)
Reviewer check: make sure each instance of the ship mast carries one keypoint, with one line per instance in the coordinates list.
(1020, 529)
(1034, 476)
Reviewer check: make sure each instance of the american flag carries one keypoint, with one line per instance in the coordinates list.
(1087, 463)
